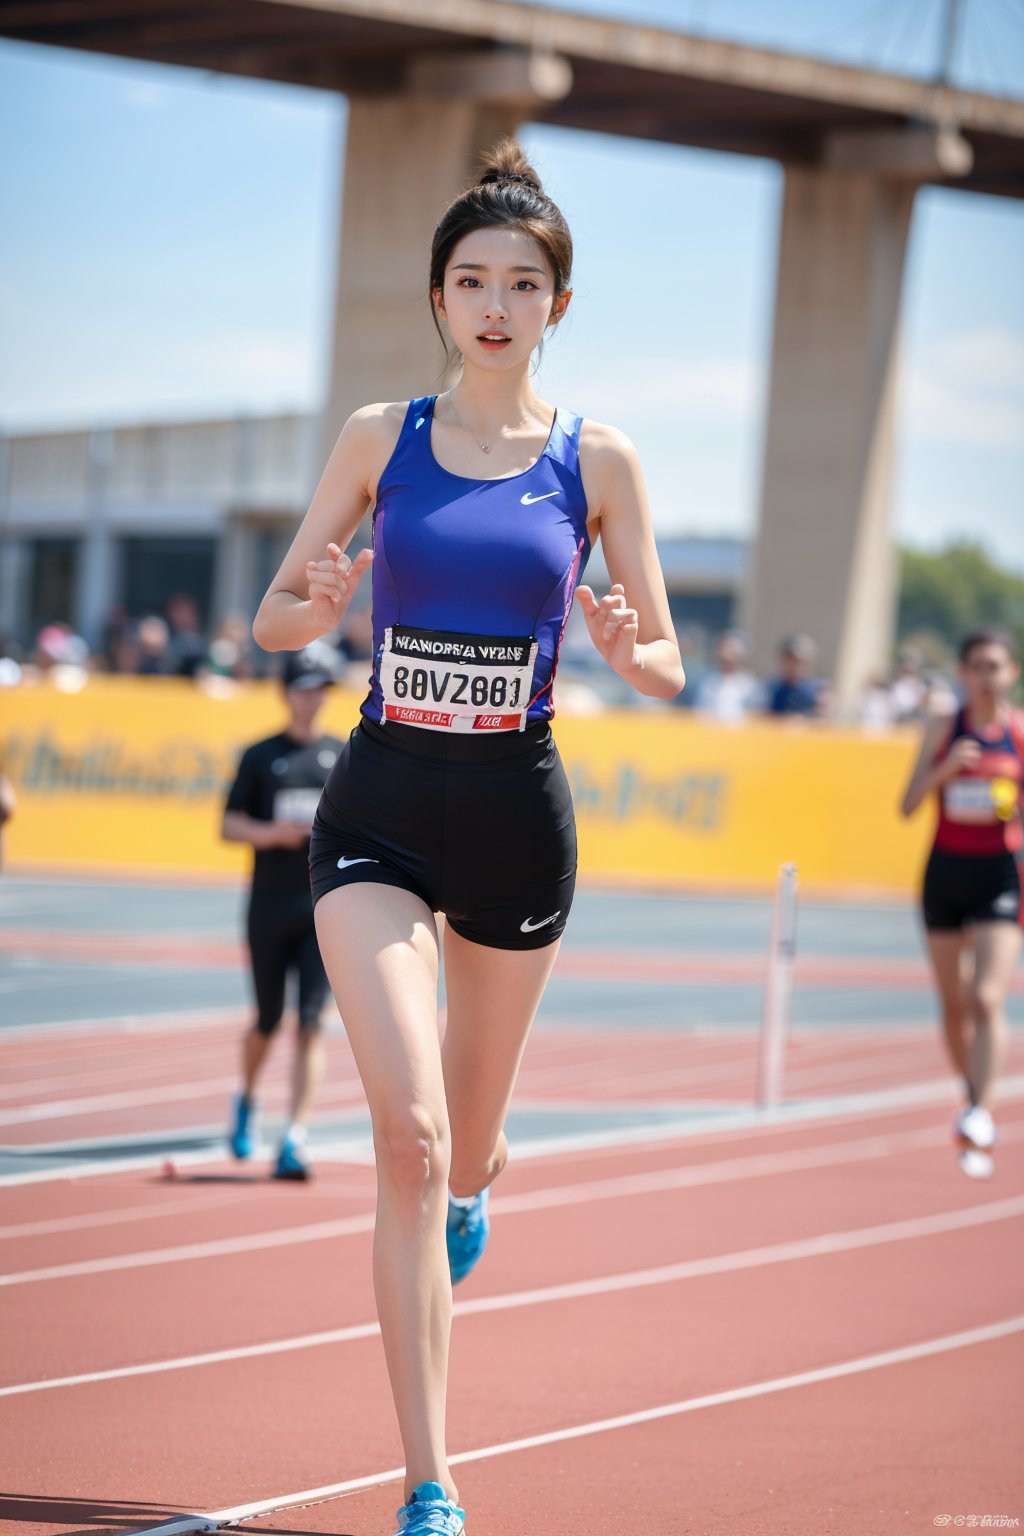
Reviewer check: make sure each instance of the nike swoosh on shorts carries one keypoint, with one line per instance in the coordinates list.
(345, 863)
(530, 927)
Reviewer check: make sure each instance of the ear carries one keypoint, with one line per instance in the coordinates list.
(437, 299)
(560, 306)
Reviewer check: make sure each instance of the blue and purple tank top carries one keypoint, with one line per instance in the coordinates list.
(473, 583)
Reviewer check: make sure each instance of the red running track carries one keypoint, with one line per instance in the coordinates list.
(681, 1278)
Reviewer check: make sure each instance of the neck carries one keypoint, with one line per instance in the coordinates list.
(985, 711)
(495, 400)
(303, 733)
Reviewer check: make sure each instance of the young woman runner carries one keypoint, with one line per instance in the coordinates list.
(974, 761)
(450, 796)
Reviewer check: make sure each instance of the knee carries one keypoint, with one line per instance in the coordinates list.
(413, 1148)
(986, 1003)
(266, 1025)
(468, 1175)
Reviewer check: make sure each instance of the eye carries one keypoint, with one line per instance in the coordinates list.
(524, 285)
(467, 282)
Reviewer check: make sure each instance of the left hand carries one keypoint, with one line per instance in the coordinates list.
(612, 626)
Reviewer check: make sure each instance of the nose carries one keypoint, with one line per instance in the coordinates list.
(496, 306)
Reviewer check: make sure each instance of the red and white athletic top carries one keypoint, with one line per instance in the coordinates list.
(980, 807)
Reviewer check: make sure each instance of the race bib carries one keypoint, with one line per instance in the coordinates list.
(296, 805)
(453, 682)
(970, 800)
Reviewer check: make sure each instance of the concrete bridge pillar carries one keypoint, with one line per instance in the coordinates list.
(824, 561)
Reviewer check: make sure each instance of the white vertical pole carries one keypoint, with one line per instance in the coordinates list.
(778, 991)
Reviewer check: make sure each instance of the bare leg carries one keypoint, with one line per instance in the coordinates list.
(255, 1049)
(379, 946)
(946, 950)
(493, 995)
(307, 1073)
(997, 948)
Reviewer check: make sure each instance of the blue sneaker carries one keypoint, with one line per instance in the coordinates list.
(429, 1513)
(244, 1138)
(290, 1163)
(467, 1232)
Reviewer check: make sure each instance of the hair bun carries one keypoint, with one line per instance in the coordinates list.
(506, 162)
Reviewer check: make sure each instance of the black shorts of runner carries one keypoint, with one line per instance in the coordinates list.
(480, 828)
(281, 938)
(963, 888)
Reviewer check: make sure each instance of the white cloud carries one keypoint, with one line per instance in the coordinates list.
(718, 390)
(968, 389)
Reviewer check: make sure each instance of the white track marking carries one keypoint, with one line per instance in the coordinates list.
(93, 1220)
(757, 1165)
(844, 1368)
(840, 1110)
(824, 1243)
(132, 1023)
(341, 1091)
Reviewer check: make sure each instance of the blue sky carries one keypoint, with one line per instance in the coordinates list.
(174, 234)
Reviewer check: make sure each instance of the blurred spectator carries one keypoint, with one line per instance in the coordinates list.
(231, 653)
(153, 640)
(795, 691)
(729, 691)
(10, 663)
(908, 686)
(187, 649)
(8, 805)
(876, 708)
(57, 645)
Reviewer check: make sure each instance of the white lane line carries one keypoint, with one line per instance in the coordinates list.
(823, 1243)
(93, 1220)
(837, 1110)
(756, 1165)
(131, 1023)
(340, 1091)
(927, 1348)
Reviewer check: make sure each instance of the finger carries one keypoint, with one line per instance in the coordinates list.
(587, 601)
(359, 565)
(334, 552)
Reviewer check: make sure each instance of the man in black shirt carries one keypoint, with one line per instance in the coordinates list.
(271, 806)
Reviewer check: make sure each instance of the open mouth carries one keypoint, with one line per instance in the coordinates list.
(493, 341)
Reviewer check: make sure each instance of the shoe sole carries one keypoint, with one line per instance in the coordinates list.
(976, 1162)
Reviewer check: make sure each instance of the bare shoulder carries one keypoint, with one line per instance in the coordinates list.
(604, 445)
(368, 439)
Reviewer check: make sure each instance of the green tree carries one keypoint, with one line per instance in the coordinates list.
(945, 595)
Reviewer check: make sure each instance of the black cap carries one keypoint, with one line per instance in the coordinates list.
(315, 667)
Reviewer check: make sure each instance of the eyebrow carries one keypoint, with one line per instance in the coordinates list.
(479, 266)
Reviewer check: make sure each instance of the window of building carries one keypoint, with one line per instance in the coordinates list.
(156, 568)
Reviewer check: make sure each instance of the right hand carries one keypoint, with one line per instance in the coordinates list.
(332, 584)
(290, 834)
(964, 753)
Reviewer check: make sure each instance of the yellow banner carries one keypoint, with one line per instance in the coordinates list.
(131, 774)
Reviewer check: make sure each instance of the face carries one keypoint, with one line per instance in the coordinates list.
(305, 704)
(499, 297)
(989, 674)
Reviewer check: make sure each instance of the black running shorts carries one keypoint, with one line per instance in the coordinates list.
(481, 829)
(281, 938)
(963, 888)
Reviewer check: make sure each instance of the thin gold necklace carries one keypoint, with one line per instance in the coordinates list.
(484, 447)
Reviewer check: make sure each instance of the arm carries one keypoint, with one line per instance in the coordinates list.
(928, 774)
(237, 827)
(310, 593)
(8, 799)
(638, 642)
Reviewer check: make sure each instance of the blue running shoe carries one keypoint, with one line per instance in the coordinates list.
(467, 1232)
(290, 1163)
(429, 1513)
(244, 1138)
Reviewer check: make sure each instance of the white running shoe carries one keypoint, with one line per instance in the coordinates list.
(975, 1163)
(975, 1129)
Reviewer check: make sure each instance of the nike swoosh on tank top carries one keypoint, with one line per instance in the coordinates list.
(473, 582)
